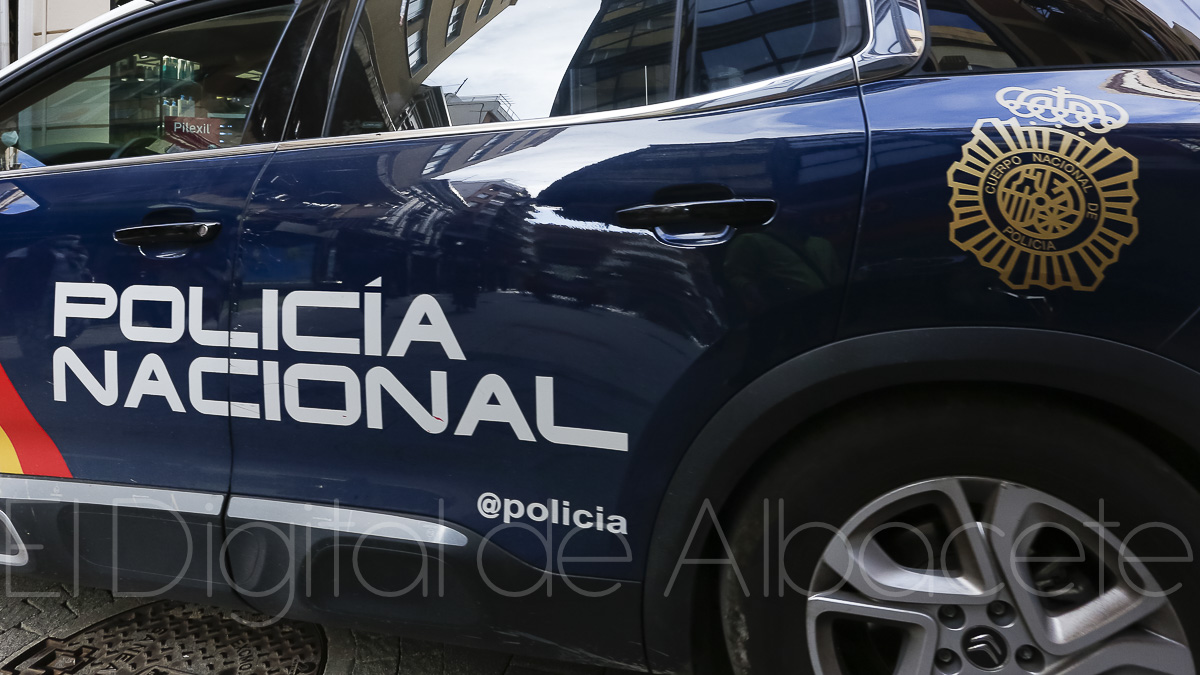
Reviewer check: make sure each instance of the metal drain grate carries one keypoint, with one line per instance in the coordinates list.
(170, 638)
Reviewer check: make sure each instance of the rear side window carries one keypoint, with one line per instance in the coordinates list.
(623, 60)
(737, 42)
(982, 35)
(435, 63)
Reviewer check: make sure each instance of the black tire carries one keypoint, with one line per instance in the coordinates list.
(841, 464)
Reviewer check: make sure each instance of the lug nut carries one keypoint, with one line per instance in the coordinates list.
(948, 662)
(951, 616)
(1001, 613)
(1030, 659)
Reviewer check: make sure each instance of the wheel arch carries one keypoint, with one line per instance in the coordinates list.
(1147, 395)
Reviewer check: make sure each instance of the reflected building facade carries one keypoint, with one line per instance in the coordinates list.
(383, 86)
(466, 110)
(971, 35)
(736, 42)
(1160, 83)
(438, 232)
(624, 59)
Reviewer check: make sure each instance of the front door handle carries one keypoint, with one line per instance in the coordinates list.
(699, 223)
(167, 233)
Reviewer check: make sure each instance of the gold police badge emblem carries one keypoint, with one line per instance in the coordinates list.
(1038, 200)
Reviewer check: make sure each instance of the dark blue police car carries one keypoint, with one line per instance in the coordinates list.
(751, 336)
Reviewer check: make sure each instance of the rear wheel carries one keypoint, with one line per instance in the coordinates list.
(955, 533)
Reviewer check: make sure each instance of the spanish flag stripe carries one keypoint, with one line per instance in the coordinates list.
(37, 453)
(9, 462)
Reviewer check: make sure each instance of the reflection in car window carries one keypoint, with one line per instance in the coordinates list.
(624, 59)
(456, 21)
(177, 90)
(500, 61)
(979, 35)
(743, 41)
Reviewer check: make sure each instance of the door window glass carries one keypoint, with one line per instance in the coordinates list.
(624, 59)
(505, 61)
(981, 35)
(186, 88)
(742, 41)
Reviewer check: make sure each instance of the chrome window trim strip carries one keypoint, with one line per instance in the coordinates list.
(894, 43)
(252, 149)
(100, 494)
(344, 520)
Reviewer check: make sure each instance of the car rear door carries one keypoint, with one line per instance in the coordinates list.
(500, 339)
(1035, 170)
(130, 155)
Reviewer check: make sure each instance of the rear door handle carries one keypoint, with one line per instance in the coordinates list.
(698, 223)
(167, 233)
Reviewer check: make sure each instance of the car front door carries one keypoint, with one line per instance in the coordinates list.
(125, 175)
(501, 339)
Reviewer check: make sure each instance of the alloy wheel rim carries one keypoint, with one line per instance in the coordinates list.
(971, 576)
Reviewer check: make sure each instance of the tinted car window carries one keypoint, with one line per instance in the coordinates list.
(439, 63)
(743, 41)
(186, 88)
(624, 59)
(978, 35)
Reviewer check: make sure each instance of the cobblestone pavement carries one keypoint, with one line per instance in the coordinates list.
(45, 629)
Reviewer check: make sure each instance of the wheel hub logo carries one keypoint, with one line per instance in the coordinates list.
(985, 649)
(1045, 206)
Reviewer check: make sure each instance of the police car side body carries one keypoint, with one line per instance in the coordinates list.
(517, 447)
